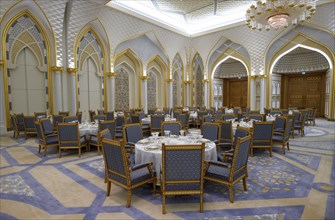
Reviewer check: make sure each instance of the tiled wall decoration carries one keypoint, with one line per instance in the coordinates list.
(122, 90)
(152, 91)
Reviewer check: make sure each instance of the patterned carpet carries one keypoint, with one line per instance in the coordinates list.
(297, 185)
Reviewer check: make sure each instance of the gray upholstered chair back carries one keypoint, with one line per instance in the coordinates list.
(241, 152)
(176, 114)
(240, 133)
(29, 123)
(173, 127)
(100, 111)
(109, 116)
(218, 115)
(211, 131)
(38, 131)
(70, 119)
(57, 119)
(280, 123)
(110, 125)
(115, 160)
(120, 121)
(183, 119)
(46, 126)
(133, 132)
(156, 121)
(226, 132)
(262, 133)
(227, 117)
(68, 133)
(166, 111)
(20, 119)
(135, 118)
(289, 125)
(141, 116)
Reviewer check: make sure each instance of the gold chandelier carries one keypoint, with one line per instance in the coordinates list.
(279, 13)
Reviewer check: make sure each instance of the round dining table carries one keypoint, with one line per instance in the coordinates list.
(88, 128)
(150, 149)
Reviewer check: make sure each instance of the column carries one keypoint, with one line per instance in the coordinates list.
(58, 89)
(111, 95)
(3, 127)
(144, 93)
(187, 92)
(170, 91)
(263, 94)
(252, 93)
(73, 90)
(206, 93)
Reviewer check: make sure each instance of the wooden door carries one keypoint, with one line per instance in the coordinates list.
(235, 92)
(304, 91)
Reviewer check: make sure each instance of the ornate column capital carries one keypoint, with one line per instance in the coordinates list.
(169, 80)
(205, 81)
(57, 69)
(72, 70)
(111, 74)
(258, 76)
(187, 81)
(144, 77)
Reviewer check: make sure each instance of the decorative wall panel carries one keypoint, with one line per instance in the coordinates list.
(152, 91)
(122, 90)
(199, 88)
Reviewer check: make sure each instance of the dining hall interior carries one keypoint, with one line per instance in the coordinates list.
(156, 109)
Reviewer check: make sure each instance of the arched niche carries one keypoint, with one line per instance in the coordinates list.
(158, 67)
(177, 76)
(133, 65)
(229, 53)
(300, 40)
(91, 62)
(27, 53)
(197, 80)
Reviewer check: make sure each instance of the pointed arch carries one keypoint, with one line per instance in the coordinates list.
(32, 35)
(178, 76)
(300, 40)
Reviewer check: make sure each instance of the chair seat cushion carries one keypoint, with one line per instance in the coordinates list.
(52, 140)
(217, 172)
(277, 138)
(82, 142)
(182, 187)
(140, 175)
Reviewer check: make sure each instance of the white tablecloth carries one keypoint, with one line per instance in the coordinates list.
(144, 154)
(248, 124)
(88, 128)
(146, 121)
(193, 115)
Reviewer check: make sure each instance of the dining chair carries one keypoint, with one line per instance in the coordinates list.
(55, 120)
(229, 174)
(91, 114)
(79, 116)
(227, 117)
(218, 115)
(311, 116)
(40, 115)
(226, 135)
(109, 116)
(166, 111)
(262, 136)
(176, 114)
(211, 131)
(68, 119)
(29, 126)
(18, 124)
(182, 171)
(69, 137)
(95, 139)
(45, 140)
(283, 138)
(184, 119)
(156, 123)
(172, 126)
(120, 121)
(101, 111)
(200, 117)
(299, 124)
(119, 173)
(279, 124)
(47, 126)
(258, 117)
(132, 133)
(65, 114)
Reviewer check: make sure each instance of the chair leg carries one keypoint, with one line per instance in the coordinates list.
(288, 146)
(245, 183)
(79, 152)
(283, 148)
(128, 198)
(231, 196)
(108, 192)
(45, 150)
(154, 186)
(270, 149)
(39, 148)
(201, 202)
(163, 203)
(60, 152)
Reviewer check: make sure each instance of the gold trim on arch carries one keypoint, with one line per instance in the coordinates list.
(302, 39)
(229, 52)
(88, 28)
(4, 47)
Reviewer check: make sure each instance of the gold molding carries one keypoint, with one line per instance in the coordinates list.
(144, 77)
(187, 81)
(169, 80)
(205, 81)
(111, 74)
(57, 69)
(2, 62)
(72, 70)
(258, 76)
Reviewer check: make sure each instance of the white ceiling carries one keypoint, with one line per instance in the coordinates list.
(187, 17)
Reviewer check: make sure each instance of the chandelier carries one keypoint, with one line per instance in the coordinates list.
(279, 13)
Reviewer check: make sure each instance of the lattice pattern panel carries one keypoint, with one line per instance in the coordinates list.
(227, 70)
(325, 16)
(152, 90)
(122, 90)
